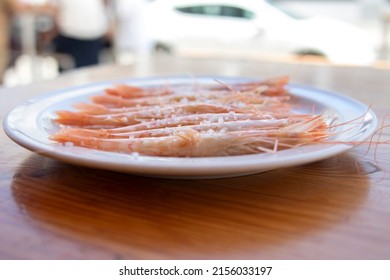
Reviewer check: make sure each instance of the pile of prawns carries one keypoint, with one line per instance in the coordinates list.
(191, 120)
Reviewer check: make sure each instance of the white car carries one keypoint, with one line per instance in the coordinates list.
(254, 25)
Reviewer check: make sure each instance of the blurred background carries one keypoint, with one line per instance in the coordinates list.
(41, 39)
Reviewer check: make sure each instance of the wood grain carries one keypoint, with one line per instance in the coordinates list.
(333, 209)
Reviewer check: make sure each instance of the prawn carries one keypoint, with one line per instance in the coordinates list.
(128, 91)
(133, 117)
(192, 142)
(216, 120)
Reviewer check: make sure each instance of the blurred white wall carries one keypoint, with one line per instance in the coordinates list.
(131, 38)
(343, 10)
(359, 12)
(371, 15)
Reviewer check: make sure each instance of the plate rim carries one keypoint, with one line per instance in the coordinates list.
(157, 169)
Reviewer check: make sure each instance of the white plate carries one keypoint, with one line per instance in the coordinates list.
(31, 124)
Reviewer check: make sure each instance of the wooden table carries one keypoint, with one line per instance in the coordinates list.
(337, 208)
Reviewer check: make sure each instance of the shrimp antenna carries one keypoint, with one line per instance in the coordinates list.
(242, 98)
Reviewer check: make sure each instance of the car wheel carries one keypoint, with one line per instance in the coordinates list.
(162, 47)
(310, 52)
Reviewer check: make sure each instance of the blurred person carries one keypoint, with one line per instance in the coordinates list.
(23, 61)
(7, 8)
(4, 35)
(131, 34)
(82, 27)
